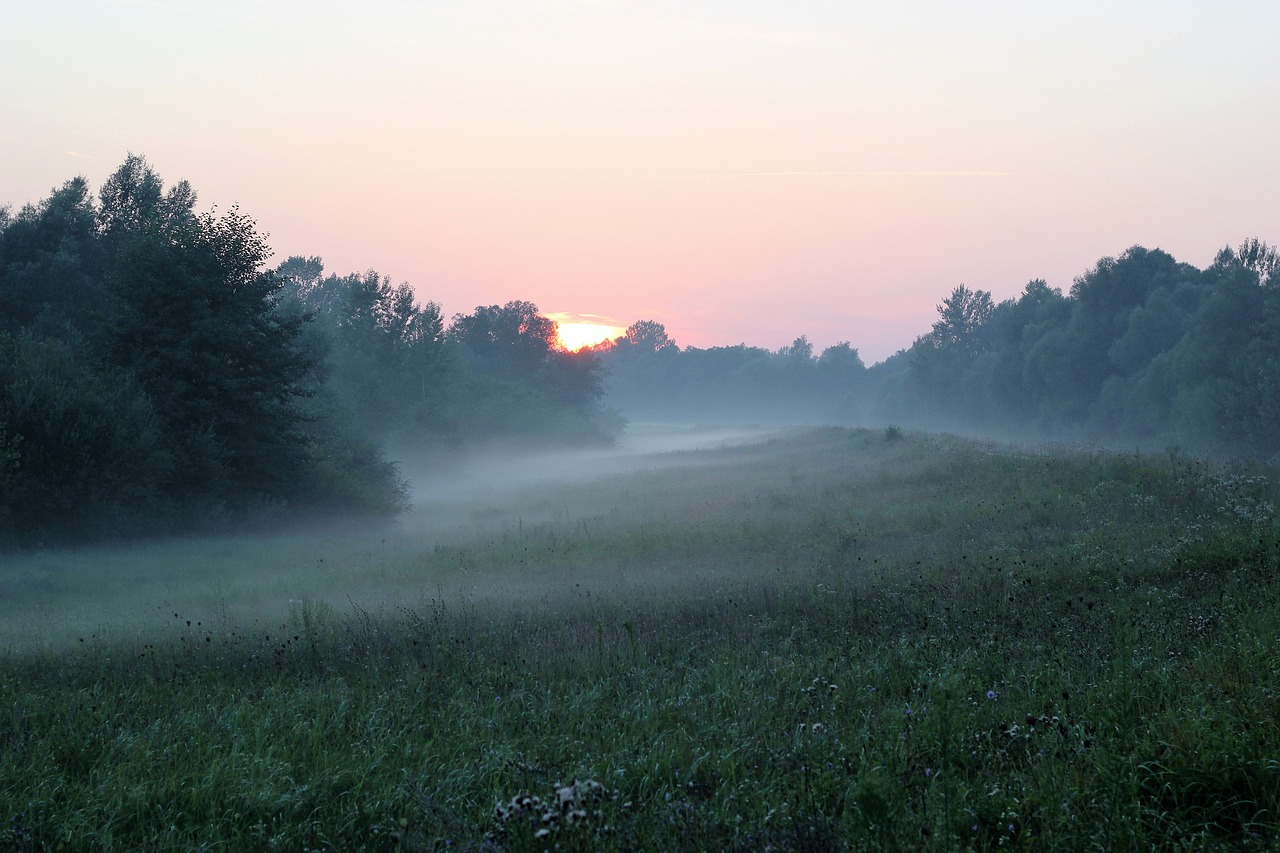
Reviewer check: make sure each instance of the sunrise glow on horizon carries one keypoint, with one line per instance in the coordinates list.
(577, 331)
(741, 172)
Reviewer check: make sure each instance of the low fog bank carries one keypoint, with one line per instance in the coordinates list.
(476, 474)
(50, 597)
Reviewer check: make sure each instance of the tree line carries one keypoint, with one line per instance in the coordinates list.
(651, 378)
(1142, 351)
(157, 376)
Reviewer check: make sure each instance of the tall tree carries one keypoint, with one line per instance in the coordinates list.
(961, 316)
(1261, 259)
(941, 358)
(199, 329)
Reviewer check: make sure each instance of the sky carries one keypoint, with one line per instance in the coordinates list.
(739, 170)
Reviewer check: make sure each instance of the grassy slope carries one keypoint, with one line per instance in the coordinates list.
(826, 641)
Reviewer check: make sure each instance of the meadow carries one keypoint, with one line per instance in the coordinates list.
(824, 639)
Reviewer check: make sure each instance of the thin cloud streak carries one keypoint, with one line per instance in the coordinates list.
(577, 317)
(944, 173)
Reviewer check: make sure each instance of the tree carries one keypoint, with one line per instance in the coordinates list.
(523, 384)
(51, 264)
(647, 336)
(513, 341)
(1261, 259)
(1103, 302)
(87, 453)
(800, 350)
(941, 358)
(198, 327)
(841, 358)
(301, 276)
(1009, 399)
(960, 319)
(134, 197)
(386, 358)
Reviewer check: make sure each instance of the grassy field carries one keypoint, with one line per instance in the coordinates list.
(825, 640)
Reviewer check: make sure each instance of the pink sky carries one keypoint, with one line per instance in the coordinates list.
(740, 171)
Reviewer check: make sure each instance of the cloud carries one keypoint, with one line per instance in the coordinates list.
(575, 317)
(80, 156)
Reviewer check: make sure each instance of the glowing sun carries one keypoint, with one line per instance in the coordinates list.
(584, 330)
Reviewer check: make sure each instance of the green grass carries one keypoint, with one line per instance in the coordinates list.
(831, 640)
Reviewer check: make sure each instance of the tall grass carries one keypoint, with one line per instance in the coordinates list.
(835, 640)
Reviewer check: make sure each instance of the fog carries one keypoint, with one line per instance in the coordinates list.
(54, 597)
(479, 473)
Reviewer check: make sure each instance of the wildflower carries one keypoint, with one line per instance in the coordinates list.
(991, 694)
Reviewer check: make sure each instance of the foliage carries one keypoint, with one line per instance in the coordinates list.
(385, 359)
(394, 371)
(51, 265)
(151, 378)
(1144, 350)
(197, 327)
(650, 377)
(87, 454)
(528, 387)
(646, 335)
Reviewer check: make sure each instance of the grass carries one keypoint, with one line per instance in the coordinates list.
(831, 640)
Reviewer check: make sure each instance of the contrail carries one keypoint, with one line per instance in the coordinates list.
(948, 173)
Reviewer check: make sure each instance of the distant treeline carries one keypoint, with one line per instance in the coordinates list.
(650, 378)
(156, 376)
(1143, 351)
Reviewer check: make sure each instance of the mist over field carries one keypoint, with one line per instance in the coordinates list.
(816, 638)
(53, 596)
(494, 472)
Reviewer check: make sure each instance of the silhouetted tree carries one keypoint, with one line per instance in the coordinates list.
(513, 341)
(51, 265)
(941, 358)
(1261, 259)
(799, 350)
(197, 326)
(647, 336)
(842, 358)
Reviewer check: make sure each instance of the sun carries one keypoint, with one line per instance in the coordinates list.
(584, 330)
